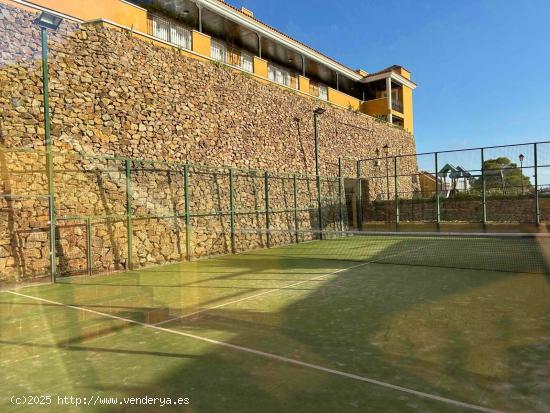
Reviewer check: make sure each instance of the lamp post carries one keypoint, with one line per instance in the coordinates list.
(387, 152)
(316, 113)
(521, 159)
(48, 21)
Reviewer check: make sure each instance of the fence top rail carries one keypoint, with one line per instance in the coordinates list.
(453, 150)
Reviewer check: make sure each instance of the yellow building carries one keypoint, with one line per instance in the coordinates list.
(215, 30)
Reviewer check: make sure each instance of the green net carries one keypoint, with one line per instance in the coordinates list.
(507, 252)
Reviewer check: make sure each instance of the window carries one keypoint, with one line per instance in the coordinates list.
(278, 75)
(323, 92)
(171, 32)
(219, 51)
(247, 62)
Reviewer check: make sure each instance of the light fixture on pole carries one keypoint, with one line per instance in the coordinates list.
(48, 21)
(387, 152)
(316, 113)
(521, 159)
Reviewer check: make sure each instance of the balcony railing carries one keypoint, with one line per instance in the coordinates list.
(178, 35)
(398, 106)
(169, 31)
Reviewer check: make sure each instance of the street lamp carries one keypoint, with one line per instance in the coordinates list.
(387, 152)
(521, 159)
(48, 21)
(316, 113)
(377, 160)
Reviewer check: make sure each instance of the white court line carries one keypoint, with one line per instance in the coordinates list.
(250, 297)
(239, 300)
(273, 290)
(274, 357)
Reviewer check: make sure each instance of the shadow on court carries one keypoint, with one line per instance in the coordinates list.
(477, 336)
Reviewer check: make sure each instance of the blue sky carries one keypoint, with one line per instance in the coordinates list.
(480, 64)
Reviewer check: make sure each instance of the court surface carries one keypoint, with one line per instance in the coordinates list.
(333, 325)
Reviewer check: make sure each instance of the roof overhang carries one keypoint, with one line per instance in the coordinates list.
(252, 24)
(394, 76)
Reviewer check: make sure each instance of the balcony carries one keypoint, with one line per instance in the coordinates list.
(380, 106)
(180, 34)
(169, 31)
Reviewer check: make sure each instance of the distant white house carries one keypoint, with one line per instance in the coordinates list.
(455, 179)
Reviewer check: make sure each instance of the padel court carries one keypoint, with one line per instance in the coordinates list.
(369, 323)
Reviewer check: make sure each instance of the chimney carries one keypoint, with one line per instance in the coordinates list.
(247, 12)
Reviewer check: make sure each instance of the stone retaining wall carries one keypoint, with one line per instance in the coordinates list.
(115, 94)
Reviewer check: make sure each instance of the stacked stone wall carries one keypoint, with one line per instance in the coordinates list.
(113, 94)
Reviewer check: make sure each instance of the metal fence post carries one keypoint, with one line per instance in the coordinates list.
(296, 224)
(395, 172)
(267, 224)
(359, 197)
(187, 211)
(319, 206)
(537, 205)
(232, 210)
(129, 222)
(316, 113)
(49, 156)
(341, 189)
(89, 245)
(437, 189)
(483, 187)
(53, 263)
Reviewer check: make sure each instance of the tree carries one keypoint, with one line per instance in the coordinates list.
(503, 176)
